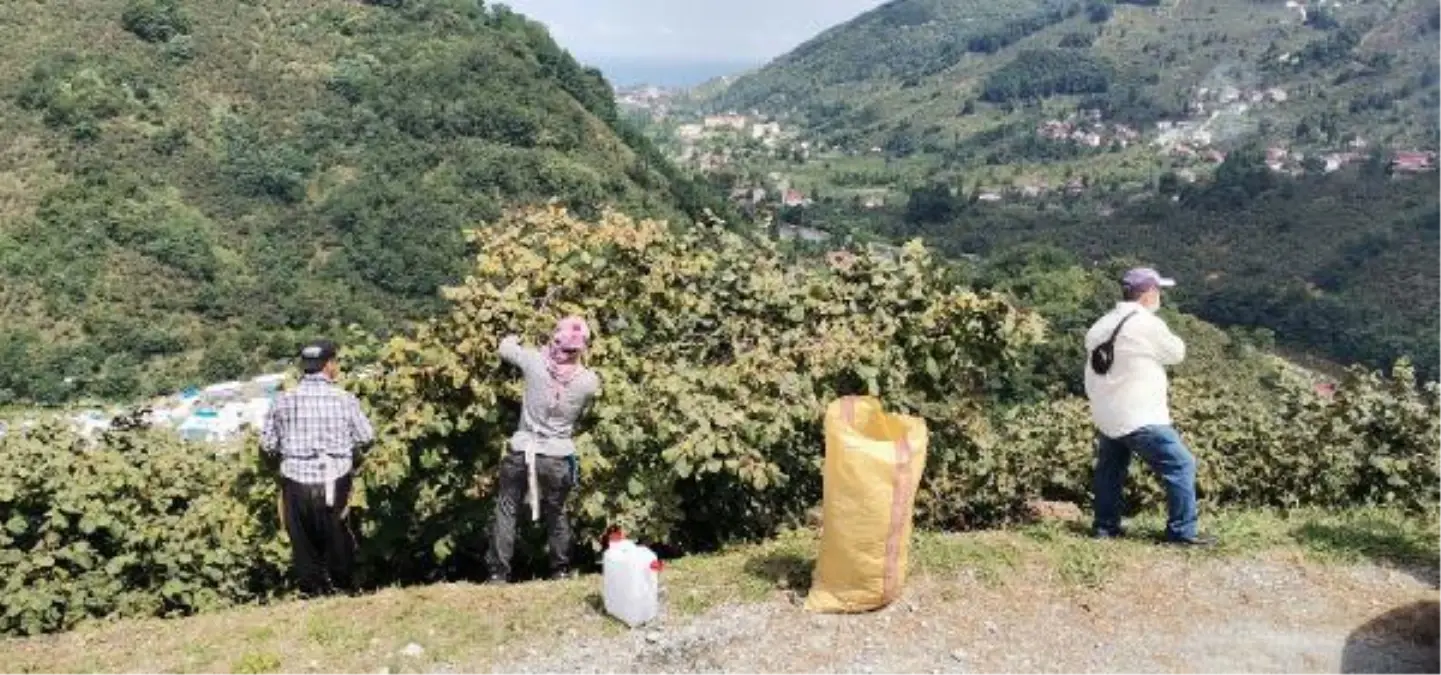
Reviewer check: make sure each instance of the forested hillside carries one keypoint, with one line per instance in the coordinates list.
(918, 73)
(188, 187)
(1279, 156)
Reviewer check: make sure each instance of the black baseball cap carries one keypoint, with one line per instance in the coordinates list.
(316, 354)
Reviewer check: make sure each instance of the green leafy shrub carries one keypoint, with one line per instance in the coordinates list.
(155, 20)
(137, 524)
(75, 94)
(1373, 444)
(180, 49)
(716, 354)
(262, 167)
(1077, 40)
(717, 357)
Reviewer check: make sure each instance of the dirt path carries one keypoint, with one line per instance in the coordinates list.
(1172, 616)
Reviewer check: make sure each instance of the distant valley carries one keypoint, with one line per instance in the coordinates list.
(1280, 154)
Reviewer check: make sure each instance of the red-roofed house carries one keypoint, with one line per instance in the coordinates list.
(1413, 161)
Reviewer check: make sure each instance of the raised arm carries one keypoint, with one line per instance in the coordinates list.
(512, 352)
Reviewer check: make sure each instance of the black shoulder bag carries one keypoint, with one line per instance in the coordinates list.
(1104, 355)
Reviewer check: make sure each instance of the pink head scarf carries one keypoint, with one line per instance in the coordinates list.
(569, 341)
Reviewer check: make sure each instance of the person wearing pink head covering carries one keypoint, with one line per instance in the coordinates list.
(540, 467)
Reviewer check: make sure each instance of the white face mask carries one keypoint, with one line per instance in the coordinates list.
(1150, 306)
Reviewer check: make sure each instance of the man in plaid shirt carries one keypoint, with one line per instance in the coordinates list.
(320, 434)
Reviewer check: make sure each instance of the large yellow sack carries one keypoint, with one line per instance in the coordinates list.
(873, 466)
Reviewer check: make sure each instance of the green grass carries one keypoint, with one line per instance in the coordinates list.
(468, 626)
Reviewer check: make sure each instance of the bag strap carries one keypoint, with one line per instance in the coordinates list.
(1117, 331)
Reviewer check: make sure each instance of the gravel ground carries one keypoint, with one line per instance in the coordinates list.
(1175, 615)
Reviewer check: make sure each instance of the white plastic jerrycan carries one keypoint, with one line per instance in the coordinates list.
(630, 578)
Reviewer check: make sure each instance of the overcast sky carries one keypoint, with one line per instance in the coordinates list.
(694, 30)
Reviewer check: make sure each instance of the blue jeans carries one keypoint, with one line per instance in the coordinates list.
(1161, 447)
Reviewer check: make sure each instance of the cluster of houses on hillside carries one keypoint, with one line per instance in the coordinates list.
(1283, 160)
(215, 414)
(1187, 138)
(1213, 113)
(1227, 98)
(768, 133)
(651, 99)
(733, 132)
(785, 194)
(1032, 189)
(1087, 129)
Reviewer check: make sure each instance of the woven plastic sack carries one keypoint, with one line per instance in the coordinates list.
(873, 466)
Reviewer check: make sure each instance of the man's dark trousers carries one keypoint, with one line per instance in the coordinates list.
(553, 474)
(322, 546)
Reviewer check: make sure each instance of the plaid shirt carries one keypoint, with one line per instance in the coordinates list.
(316, 429)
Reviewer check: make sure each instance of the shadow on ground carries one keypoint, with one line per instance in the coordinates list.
(785, 571)
(1380, 541)
(1403, 640)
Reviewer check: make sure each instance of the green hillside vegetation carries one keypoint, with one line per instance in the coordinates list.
(912, 100)
(190, 187)
(938, 70)
(1318, 262)
(718, 355)
(1247, 246)
(900, 42)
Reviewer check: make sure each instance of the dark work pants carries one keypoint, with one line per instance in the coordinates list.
(554, 478)
(322, 546)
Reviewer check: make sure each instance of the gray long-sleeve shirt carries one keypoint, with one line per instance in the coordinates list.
(548, 416)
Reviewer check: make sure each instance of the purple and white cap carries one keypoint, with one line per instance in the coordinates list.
(1142, 279)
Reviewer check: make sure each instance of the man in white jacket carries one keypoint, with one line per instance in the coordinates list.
(1129, 350)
